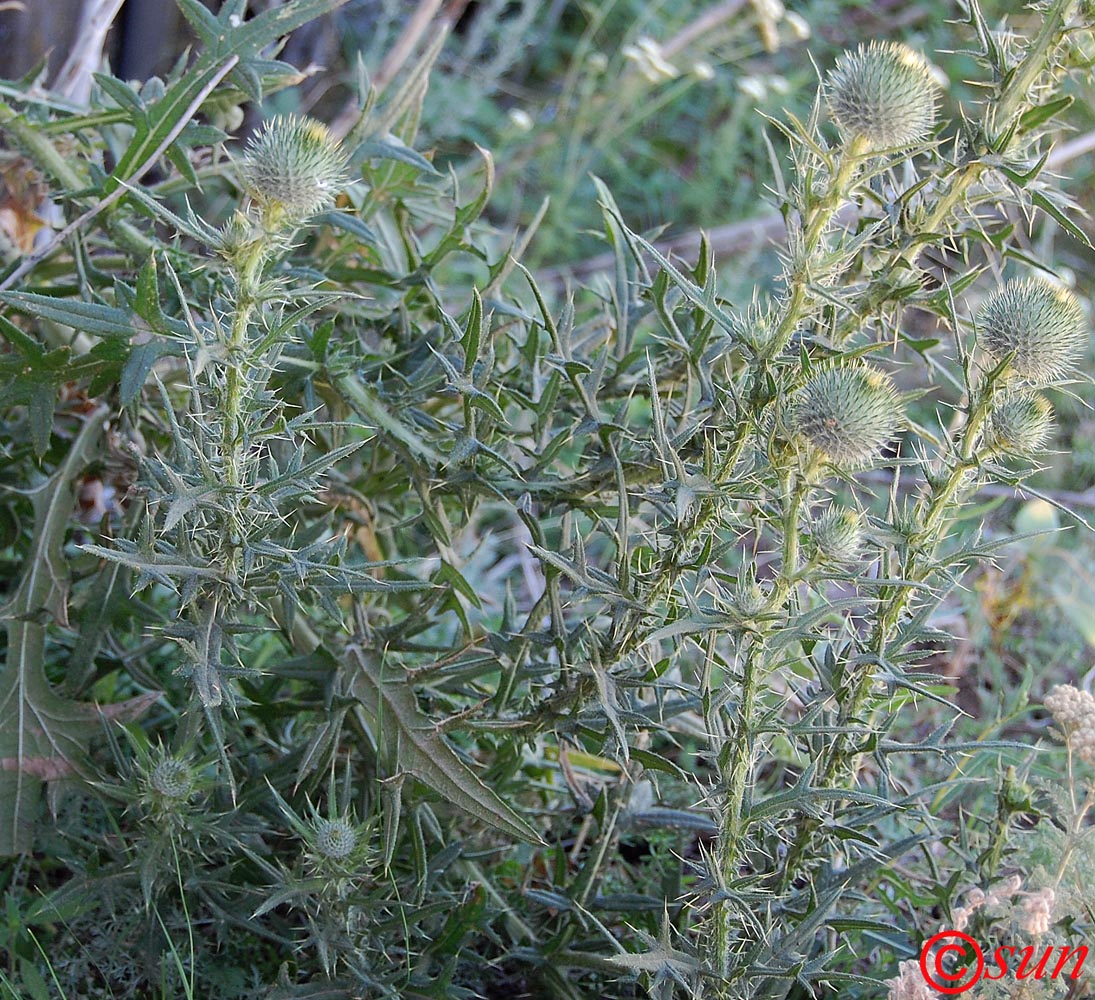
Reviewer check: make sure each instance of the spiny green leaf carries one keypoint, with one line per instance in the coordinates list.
(43, 737)
(1059, 216)
(88, 317)
(138, 365)
(391, 147)
(40, 416)
(366, 403)
(243, 41)
(399, 727)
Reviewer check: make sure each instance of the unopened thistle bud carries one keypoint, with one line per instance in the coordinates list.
(883, 95)
(335, 838)
(749, 598)
(1039, 324)
(849, 413)
(1019, 424)
(292, 170)
(172, 779)
(838, 535)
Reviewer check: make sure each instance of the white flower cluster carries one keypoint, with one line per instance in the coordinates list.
(1037, 913)
(909, 984)
(977, 898)
(1033, 912)
(1074, 711)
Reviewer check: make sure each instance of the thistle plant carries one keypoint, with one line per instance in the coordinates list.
(218, 507)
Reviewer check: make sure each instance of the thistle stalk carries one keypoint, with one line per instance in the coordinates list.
(941, 500)
(1021, 84)
(248, 268)
(736, 759)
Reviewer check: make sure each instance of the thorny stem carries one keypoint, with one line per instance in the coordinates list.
(735, 766)
(248, 270)
(738, 756)
(816, 219)
(941, 500)
(1021, 85)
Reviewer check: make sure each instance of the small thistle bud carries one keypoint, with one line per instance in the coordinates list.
(1041, 325)
(838, 535)
(849, 413)
(292, 169)
(1019, 424)
(335, 838)
(882, 95)
(240, 237)
(758, 328)
(172, 779)
(749, 598)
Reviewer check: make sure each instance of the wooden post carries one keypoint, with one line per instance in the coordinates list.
(40, 27)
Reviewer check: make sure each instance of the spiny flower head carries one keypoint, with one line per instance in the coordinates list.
(292, 170)
(757, 328)
(172, 779)
(1019, 424)
(1040, 324)
(335, 838)
(167, 787)
(882, 95)
(749, 598)
(838, 535)
(848, 412)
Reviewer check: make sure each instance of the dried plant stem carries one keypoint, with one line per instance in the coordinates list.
(404, 46)
(74, 79)
(707, 22)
